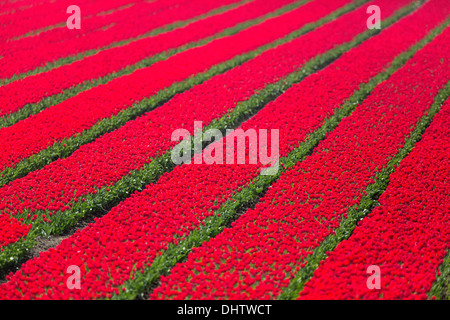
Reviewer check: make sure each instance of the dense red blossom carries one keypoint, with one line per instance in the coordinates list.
(407, 237)
(258, 256)
(136, 230)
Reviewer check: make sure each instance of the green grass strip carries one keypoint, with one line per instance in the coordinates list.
(365, 206)
(67, 146)
(37, 32)
(441, 287)
(104, 200)
(34, 108)
(250, 195)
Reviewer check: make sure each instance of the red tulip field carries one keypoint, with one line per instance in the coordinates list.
(225, 150)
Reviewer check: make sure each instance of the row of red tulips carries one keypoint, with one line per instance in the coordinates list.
(265, 247)
(11, 230)
(407, 236)
(43, 52)
(33, 89)
(135, 231)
